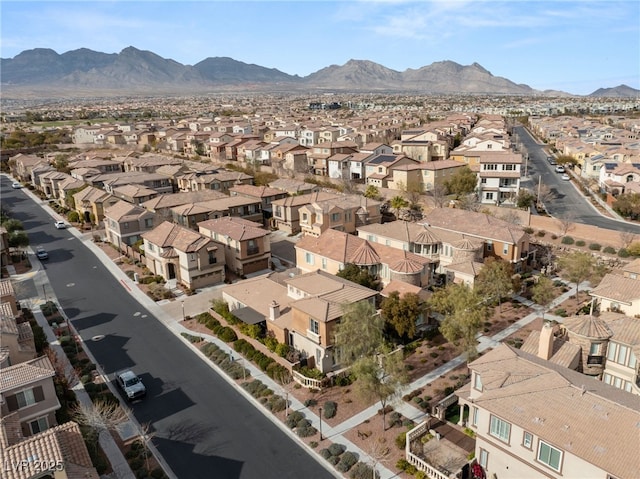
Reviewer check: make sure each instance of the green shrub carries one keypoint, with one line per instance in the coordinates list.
(362, 471)
(277, 403)
(402, 464)
(560, 312)
(191, 338)
(347, 461)
(595, 246)
(609, 250)
(580, 243)
(567, 240)
(623, 253)
(293, 419)
(227, 334)
(401, 440)
(333, 460)
(306, 431)
(336, 449)
(329, 409)
(634, 248)
(271, 343)
(528, 230)
(73, 217)
(313, 444)
(282, 350)
(554, 236)
(325, 453)
(540, 233)
(310, 402)
(49, 308)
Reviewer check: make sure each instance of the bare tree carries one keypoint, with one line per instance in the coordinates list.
(512, 217)
(378, 450)
(100, 416)
(146, 438)
(626, 238)
(64, 371)
(439, 195)
(566, 222)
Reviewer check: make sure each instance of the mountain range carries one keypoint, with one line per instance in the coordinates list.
(85, 72)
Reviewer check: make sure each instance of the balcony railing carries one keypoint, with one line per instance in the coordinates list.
(591, 360)
(313, 336)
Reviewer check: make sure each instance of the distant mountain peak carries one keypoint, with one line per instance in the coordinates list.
(138, 71)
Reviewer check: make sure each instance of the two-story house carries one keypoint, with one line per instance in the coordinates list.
(265, 194)
(301, 311)
(124, 223)
(246, 245)
(91, 203)
(190, 214)
(59, 452)
(161, 205)
(344, 213)
(533, 419)
(426, 176)
(378, 169)
(620, 290)
(190, 258)
(286, 211)
(499, 178)
(333, 250)
(27, 388)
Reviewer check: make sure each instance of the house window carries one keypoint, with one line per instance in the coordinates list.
(527, 440)
(477, 382)
(489, 245)
(252, 247)
(489, 196)
(483, 181)
(484, 458)
(39, 425)
(474, 416)
(125, 225)
(508, 167)
(387, 242)
(212, 257)
(550, 456)
(314, 326)
(335, 217)
(305, 217)
(25, 398)
(505, 249)
(632, 360)
(622, 354)
(318, 357)
(309, 259)
(151, 247)
(500, 429)
(594, 349)
(611, 352)
(324, 263)
(379, 169)
(490, 167)
(148, 222)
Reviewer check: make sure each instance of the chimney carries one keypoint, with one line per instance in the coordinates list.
(274, 310)
(545, 346)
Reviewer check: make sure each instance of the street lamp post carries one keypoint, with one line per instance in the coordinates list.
(183, 317)
(320, 424)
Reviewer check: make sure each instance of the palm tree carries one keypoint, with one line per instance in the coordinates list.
(397, 203)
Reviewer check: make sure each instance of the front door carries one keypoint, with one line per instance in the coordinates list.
(171, 270)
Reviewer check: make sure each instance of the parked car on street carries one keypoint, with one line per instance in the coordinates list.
(131, 384)
(41, 253)
(565, 177)
(15, 185)
(559, 169)
(60, 225)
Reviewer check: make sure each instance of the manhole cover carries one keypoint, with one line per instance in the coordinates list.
(98, 337)
(137, 313)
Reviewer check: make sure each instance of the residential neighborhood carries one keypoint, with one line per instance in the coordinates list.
(404, 272)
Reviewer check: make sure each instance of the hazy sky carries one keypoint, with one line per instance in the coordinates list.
(575, 46)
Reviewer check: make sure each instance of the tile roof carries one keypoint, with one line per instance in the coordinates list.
(343, 248)
(170, 235)
(616, 287)
(25, 373)
(300, 200)
(480, 225)
(59, 445)
(588, 326)
(409, 232)
(235, 228)
(256, 191)
(563, 352)
(633, 267)
(576, 413)
(123, 209)
(176, 199)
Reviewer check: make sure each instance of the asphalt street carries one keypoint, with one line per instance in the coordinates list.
(567, 200)
(201, 425)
